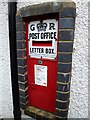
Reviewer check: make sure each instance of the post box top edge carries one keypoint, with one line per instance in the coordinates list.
(45, 8)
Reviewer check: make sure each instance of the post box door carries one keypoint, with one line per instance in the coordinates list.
(42, 63)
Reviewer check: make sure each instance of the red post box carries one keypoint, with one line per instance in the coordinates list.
(44, 72)
(42, 36)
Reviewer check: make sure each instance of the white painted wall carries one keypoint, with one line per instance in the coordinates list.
(79, 86)
(5, 76)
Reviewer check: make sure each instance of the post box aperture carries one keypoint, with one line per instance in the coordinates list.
(42, 63)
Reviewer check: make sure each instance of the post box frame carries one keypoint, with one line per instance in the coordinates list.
(67, 14)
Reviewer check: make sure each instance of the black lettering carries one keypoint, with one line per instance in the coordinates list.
(30, 50)
(42, 36)
(30, 35)
(35, 50)
(42, 50)
(34, 35)
(52, 51)
(45, 35)
(55, 35)
(38, 35)
(46, 50)
(49, 51)
(32, 27)
(51, 26)
(39, 50)
(51, 35)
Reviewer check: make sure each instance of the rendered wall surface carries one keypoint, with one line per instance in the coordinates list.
(89, 56)
(79, 86)
(6, 110)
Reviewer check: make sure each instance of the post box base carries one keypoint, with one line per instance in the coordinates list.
(38, 113)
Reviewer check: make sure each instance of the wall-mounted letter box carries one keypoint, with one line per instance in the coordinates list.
(45, 36)
(42, 63)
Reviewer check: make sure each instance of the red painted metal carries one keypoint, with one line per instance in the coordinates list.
(40, 96)
(42, 43)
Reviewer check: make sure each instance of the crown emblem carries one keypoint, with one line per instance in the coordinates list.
(41, 26)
